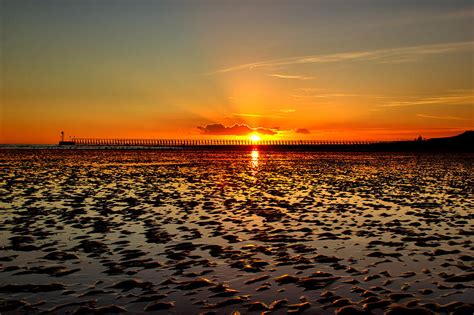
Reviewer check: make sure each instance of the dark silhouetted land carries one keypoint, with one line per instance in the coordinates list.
(460, 143)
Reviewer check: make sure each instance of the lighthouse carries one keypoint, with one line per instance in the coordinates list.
(62, 142)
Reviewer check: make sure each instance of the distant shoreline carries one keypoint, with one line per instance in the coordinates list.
(460, 143)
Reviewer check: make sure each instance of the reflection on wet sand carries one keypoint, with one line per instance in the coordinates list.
(193, 231)
(254, 155)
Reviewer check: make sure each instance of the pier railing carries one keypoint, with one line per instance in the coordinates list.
(211, 142)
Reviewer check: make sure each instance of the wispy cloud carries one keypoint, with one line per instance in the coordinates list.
(293, 77)
(441, 117)
(453, 98)
(380, 55)
(324, 95)
(287, 110)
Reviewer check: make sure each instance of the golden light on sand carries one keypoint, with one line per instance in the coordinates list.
(255, 137)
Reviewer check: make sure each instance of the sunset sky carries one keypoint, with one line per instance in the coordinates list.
(379, 69)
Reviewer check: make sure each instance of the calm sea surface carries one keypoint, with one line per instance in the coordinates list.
(215, 231)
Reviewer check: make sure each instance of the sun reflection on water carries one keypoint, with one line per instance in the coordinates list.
(254, 158)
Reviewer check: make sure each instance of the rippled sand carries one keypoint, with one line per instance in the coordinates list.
(187, 232)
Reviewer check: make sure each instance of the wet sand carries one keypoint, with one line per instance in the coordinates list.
(183, 232)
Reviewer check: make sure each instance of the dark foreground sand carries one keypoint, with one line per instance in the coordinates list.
(200, 232)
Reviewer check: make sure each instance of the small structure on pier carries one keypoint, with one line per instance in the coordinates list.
(62, 142)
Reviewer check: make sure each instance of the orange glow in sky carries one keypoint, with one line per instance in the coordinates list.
(161, 69)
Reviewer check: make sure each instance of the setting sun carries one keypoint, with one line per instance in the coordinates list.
(255, 138)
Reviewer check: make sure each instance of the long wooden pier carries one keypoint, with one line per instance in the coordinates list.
(210, 142)
(460, 143)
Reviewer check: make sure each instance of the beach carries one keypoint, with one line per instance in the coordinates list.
(190, 232)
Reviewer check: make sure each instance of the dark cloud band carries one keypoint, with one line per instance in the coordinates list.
(235, 130)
